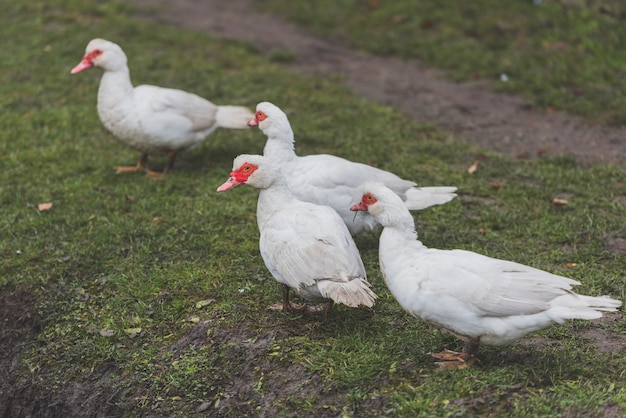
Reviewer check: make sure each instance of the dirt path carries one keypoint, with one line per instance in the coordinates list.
(494, 121)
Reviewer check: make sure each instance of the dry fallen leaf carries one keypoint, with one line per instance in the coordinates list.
(133, 332)
(559, 202)
(106, 332)
(496, 185)
(201, 304)
(44, 206)
(570, 265)
(472, 168)
(82, 294)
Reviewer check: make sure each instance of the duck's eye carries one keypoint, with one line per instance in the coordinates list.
(245, 170)
(97, 52)
(370, 198)
(261, 116)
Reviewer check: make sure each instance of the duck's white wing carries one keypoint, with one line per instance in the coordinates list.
(329, 172)
(163, 106)
(303, 246)
(489, 286)
(336, 182)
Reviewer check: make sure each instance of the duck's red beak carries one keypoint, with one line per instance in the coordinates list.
(253, 122)
(229, 184)
(358, 207)
(84, 64)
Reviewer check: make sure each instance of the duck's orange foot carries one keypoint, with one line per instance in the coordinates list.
(288, 307)
(314, 309)
(141, 165)
(455, 360)
(155, 175)
(128, 169)
(302, 307)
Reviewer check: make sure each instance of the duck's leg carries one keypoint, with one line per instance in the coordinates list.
(324, 307)
(288, 306)
(141, 164)
(455, 360)
(171, 157)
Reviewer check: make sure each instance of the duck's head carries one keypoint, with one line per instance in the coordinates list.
(272, 121)
(253, 170)
(382, 203)
(369, 201)
(104, 54)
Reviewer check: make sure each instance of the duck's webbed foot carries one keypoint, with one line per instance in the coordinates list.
(155, 175)
(314, 309)
(455, 360)
(141, 165)
(288, 306)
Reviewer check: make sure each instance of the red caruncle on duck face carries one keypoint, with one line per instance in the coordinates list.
(243, 173)
(95, 53)
(259, 117)
(367, 200)
(238, 176)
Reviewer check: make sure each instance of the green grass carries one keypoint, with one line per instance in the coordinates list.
(153, 294)
(561, 55)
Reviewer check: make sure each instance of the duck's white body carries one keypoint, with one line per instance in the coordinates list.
(151, 119)
(306, 247)
(333, 181)
(475, 297)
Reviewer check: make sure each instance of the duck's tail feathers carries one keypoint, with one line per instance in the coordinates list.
(575, 306)
(233, 117)
(352, 293)
(418, 198)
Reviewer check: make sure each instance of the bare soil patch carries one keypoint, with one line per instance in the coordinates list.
(109, 391)
(254, 389)
(24, 392)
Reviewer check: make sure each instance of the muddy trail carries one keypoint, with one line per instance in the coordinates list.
(503, 123)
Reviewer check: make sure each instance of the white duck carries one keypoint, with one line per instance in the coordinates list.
(477, 298)
(333, 181)
(306, 247)
(150, 119)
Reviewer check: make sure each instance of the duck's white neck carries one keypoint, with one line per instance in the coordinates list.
(406, 230)
(271, 199)
(394, 214)
(280, 144)
(115, 87)
(397, 221)
(396, 244)
(116, 107)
